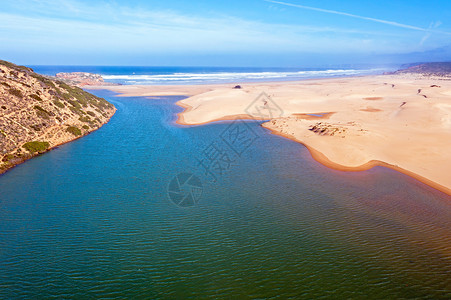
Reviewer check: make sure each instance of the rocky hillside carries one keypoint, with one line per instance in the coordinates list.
(440, 69)
(38, 113)
(82, 79)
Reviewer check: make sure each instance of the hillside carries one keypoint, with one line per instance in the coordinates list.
(82, 79)
(441, 69)
(38, 113)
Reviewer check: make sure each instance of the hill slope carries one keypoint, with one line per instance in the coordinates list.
(442, 69)
(38, 113)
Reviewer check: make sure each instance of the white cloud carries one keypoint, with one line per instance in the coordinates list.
(69, 24)
(391, 23)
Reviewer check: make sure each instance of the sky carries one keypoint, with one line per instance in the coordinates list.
(262, 33)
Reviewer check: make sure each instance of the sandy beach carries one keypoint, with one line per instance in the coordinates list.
(398, 121)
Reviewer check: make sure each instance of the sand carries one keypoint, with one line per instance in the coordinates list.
(350, 124)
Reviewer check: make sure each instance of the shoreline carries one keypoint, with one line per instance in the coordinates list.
(187, 108)
(33, 155)
(317, 155)
(212, 103)
(323, 160)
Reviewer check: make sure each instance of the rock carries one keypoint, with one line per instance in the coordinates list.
(82, 79)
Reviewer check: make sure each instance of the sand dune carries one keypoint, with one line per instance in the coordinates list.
(399, 121)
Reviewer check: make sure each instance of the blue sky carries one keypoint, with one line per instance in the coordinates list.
(223, 33)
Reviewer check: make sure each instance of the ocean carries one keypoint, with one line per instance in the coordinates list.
(203, 75)
(133, 211)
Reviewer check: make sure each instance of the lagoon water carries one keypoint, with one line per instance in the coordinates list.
(93, 219)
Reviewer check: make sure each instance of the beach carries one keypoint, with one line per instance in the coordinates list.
(350, 124)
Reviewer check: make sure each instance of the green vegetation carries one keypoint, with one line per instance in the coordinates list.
(35, 97)
(35, 146)
(7, 157)
(79, 98)
(53, 96)
(46, 82)
(59, 103)
(85, 119)
(74, 130)
(75, 96)
(74, 103)
(15, 92)
(42, 112)
(15, 67)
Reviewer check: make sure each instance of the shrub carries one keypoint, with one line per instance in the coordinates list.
(13, 66)
(7, 157)
(35, 97)
(59, 103)
(91, 113)
(15, 92)
(74, 130)
(86, 127)
(41, 112)
(35, 146)
(74, 103)
(85, 119)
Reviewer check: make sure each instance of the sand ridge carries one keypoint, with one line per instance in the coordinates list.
(398, 121)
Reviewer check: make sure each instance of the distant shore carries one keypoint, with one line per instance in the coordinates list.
(402, 121)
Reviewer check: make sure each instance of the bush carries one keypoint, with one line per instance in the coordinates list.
(7, 157)
(59, 104)
(91, 113)
(35, 97)
(15, 92)
(85, 120)
(74, 103)
(74, 130)
(41, 112)
(13, 66)
(35, 146)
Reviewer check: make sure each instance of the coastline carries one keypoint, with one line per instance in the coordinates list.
(400, 103)
(317, 155)
(32, 155)
(322, 159)
(39, 114)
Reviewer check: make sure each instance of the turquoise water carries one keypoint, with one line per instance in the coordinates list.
(93, 219)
